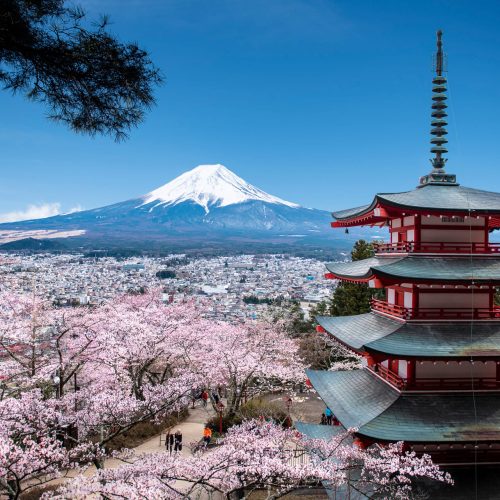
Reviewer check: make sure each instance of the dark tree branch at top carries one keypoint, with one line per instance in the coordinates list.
(87, 78)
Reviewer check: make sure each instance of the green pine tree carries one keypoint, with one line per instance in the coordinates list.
(87, 78)
(353, 298)
(362, 250)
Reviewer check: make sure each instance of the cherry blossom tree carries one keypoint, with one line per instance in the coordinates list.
(138, 341)
(42, 346)
(129, 370)
(259, 454)
(138, 359)
(247, 356)
(32, 447)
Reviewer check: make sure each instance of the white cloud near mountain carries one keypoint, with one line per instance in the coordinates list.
(37, 212)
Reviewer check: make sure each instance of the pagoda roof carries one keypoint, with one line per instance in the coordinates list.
(378, 334)
(412, 268)
(361, 400)
(431, 197)
(318, 431)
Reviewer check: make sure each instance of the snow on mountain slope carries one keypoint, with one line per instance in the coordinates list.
(207, 207)
(209, 185)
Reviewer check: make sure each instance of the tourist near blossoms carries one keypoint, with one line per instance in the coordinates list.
(254, 455)
(74, 379)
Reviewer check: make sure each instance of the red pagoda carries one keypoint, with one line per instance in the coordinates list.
(431, 347)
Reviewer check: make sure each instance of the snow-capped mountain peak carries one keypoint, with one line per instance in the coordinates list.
(210, 185)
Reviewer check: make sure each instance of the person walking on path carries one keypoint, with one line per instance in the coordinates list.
(169, 442)
(204, 397)
(323, 419)
(178, 441)
(329, 416)
(193, 397)
(207, 436)
(215, 397)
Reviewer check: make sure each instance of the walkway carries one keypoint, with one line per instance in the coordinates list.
(191, 429)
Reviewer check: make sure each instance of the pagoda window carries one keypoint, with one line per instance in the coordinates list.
(399, 296)
(404, 368)
(395, 223)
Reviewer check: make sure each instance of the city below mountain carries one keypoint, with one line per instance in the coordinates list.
(208, 205)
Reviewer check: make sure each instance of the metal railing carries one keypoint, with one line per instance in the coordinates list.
(437, 247)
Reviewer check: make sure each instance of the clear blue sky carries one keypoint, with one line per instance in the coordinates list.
(320, 102)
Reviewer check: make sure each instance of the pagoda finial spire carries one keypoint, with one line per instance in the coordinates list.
(438, 123)
(439, 55)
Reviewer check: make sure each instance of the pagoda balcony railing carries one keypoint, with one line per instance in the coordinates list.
(438, 247)
(464, 384)
(391, 377)
(435, 384)
(434, 313)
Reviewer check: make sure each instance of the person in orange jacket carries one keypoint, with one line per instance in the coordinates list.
(207, 435)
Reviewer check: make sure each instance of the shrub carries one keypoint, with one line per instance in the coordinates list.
(253, 409)
(143, 431)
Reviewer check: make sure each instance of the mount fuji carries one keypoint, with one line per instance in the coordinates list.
(208, 205)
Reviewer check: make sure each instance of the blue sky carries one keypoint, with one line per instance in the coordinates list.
(319, 102)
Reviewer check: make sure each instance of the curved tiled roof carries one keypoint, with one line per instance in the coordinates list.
(432, 197)
(360, 399)
(427, 418)
(355, 397)
(359, 330)
(419, 268)
(375, 333)
(318, 431)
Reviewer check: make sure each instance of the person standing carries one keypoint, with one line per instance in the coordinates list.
(178, 441)
(169, 442)
(207, 435)
(323, 419)
(204, 397)
(215, 397)
(193, 397)
(329, 416)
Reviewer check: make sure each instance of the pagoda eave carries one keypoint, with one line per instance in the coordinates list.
(383, 337)
(419, 270)
(359, 399)
(437, 200)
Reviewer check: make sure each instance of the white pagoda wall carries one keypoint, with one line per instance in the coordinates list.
(452, 300)
(452, 232)
(463, 369)
(451, 236)
(460, 232)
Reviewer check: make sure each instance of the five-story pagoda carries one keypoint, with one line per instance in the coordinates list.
(431, 348)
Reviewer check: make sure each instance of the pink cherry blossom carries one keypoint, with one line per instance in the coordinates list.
(72, 379)
(257, 455)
